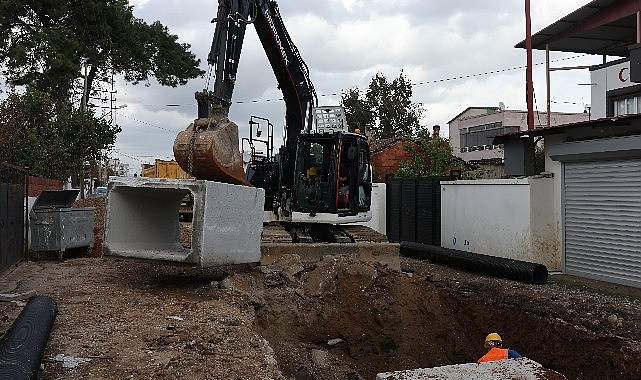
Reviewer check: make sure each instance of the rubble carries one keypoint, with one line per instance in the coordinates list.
(335, 318)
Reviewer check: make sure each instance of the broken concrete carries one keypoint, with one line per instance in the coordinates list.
(142, 221)
(370, 246)
(383, 253)
(524, 369)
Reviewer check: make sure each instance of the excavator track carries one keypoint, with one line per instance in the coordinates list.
(362, 234)
(277, 233)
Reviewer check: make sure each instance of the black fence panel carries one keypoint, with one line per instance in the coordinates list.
(408, 206)
(425, 211)
(414, 209)
(393, 201)
(12, 215)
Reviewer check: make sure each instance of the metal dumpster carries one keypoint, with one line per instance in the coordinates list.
(56, 227)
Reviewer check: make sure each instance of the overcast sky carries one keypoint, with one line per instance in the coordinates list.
(345, 43)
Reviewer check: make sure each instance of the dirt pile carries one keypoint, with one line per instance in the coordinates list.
(99, 204)
(334, 319)
(294, 319)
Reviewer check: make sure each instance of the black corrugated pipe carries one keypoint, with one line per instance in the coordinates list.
(495, 266)
(22, 347)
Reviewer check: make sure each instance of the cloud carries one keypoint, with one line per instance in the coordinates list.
(461, 52)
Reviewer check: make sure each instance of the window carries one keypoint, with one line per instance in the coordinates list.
(624, 101)
(480, 137)
(627, 106)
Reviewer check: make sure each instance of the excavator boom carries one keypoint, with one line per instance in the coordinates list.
(208, 148)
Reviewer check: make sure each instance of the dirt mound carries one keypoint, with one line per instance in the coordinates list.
(99, 204)
(334, 319)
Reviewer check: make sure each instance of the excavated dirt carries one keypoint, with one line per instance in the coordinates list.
(334, 319)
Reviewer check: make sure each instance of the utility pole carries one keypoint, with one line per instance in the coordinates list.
(85, 97)
(529, 91)
(83, 107)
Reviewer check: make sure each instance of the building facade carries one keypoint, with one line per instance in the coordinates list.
(595, 165)
(472, 131)
(118, 168)
(613, 94)
(387, 156)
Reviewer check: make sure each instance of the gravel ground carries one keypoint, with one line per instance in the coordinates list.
(334, 319)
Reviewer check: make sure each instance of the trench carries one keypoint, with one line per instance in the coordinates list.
(360, 326)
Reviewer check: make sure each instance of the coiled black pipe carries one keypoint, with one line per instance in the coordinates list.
(495, 266)
(22, 347)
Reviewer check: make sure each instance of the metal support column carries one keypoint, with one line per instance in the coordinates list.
(547, 83)
(528, 72)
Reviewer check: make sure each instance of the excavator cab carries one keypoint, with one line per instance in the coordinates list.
(332, 181)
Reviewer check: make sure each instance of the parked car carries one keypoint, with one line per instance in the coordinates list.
(100, 190)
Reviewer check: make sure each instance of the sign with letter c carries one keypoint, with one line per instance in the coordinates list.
(623, 76)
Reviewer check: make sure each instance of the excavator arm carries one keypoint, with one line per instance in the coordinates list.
(208, 148)
(224, 55)
(289, 68)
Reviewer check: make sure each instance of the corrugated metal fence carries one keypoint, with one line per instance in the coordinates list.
(12, 215)
(414, 209)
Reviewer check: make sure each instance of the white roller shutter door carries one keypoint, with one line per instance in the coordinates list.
(602, 220)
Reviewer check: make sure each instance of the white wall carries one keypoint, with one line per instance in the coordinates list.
(511, 218)
(379, 209)
(605, 79)
(556, 168)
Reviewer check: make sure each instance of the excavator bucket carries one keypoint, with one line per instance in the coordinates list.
(208, 150)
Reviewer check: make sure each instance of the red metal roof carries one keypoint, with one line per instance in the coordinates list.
(603, 27)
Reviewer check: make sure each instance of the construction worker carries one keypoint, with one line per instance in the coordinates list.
(311, 172)
(495, 350)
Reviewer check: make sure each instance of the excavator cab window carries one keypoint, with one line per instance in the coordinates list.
(332, 174)
(313, 175)
(354, 176)
(345, 174)
(364, 177)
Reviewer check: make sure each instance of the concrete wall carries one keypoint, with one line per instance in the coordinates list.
(556, 170)
(512, 218)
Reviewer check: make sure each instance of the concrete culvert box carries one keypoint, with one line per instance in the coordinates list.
(142, 221)
(56, 227)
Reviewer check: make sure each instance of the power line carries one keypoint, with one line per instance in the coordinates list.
(442, 80)
(574, 103)
(120, 152)
(146, 123)
(337, 94)
(491, 72)
(449, 79)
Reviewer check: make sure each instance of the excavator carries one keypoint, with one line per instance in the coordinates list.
(321, 175)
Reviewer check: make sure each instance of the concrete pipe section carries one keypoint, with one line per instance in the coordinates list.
(142, 221)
